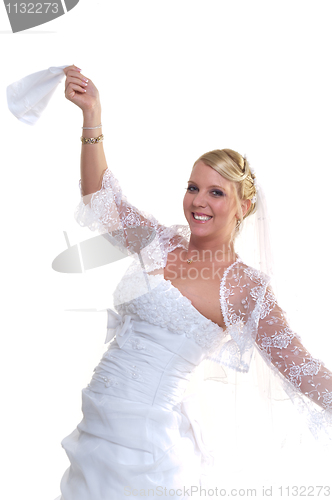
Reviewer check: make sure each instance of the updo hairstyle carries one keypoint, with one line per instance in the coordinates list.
(233, 167)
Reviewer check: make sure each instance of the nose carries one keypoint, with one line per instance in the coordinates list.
(199, 200)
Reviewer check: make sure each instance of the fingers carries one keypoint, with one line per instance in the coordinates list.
(74, 73)
(79, 89)
(71, 75)
(72, 90)
(71, 68)
(75, 82)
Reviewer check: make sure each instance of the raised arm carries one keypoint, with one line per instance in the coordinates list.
(81, 91)
(103, 206)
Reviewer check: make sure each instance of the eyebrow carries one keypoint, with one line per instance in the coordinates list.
(209, 187)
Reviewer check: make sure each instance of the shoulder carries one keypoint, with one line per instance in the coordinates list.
(243, 273)
(173, 237)
(244, 282)
(242, 293)
(254, 275)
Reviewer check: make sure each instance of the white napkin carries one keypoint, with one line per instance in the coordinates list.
(27, 98)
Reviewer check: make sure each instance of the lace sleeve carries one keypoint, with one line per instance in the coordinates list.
(108, 210)
(304, 378)
(124, 226)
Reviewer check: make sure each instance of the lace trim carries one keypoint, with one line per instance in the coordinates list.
(166, 307)
(241, 304)
(224, 293)
(319, 420)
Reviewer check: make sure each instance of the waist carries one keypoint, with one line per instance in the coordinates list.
(144, 371)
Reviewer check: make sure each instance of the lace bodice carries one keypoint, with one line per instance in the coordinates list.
(251, 313)
(166, 307)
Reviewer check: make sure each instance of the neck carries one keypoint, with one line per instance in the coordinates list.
(217, 250)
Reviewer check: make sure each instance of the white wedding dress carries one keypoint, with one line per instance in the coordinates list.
(138, 432)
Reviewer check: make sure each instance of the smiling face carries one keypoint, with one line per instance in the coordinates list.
(210, 205)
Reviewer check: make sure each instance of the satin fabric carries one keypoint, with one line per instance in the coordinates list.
(138, 432)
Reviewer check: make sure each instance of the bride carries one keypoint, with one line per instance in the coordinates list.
(187, 298)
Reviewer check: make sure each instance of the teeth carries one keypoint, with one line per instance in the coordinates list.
(202, 217)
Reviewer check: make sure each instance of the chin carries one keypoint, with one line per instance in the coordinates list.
(200, 230)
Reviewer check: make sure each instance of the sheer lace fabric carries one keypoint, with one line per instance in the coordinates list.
(299, 372)
(252, 316)
(256, 321)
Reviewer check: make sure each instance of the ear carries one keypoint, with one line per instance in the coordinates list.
(245, 205)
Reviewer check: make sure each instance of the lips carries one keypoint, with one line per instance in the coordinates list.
(199, 217)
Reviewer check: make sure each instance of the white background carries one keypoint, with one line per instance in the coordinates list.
(176, 79)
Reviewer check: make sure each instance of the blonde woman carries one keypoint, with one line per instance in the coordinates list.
(194, 300)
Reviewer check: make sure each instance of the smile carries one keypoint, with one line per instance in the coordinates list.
(201, 217)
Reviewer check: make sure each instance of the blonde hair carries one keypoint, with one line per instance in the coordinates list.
(235, 168)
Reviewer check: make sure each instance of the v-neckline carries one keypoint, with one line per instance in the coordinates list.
(226, 270)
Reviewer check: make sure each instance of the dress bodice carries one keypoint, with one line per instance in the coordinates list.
(160, 338)
(163, 305)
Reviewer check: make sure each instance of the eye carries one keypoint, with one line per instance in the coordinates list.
(191, 189)
(216, 192)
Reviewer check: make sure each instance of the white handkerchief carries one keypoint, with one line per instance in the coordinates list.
(27, 98)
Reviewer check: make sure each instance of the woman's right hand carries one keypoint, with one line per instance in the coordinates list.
(80, 90)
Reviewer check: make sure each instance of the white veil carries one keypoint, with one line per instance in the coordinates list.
(253, 242)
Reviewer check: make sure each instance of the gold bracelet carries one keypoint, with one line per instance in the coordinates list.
(92, 140)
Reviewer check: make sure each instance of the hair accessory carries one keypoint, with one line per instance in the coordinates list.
(92, 140)
(254, 180)
(92, 128)
(245, 161)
